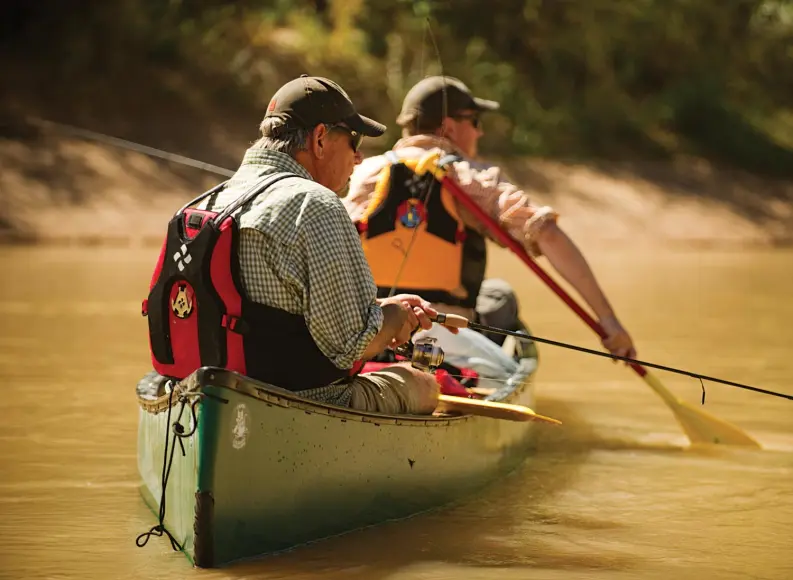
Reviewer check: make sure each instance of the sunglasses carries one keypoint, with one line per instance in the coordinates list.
(476, 121)
(355, 136)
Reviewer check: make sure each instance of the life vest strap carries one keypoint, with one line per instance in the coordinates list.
(357, 367)
(446, 159)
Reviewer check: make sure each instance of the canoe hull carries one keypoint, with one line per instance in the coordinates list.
(266, 471)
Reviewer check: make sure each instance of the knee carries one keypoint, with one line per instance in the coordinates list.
(426, 390)
(423, 390)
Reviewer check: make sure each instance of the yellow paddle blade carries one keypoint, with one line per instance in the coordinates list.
(699, 425)
(492, 409)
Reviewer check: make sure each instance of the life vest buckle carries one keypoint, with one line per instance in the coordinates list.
(234, 324)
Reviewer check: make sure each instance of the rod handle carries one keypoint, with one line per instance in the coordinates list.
(452, 320)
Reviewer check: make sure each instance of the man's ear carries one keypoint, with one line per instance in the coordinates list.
(319, 138)
(447, 127)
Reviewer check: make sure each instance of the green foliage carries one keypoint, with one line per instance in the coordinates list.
(595, 78)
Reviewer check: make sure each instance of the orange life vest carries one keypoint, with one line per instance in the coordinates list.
(413, 237)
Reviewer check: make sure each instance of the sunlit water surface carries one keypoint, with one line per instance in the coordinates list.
(614, 493)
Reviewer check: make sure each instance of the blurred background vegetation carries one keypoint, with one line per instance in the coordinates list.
(576, 79)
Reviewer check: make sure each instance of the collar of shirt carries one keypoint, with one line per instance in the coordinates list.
(258, 158)
(428, 142)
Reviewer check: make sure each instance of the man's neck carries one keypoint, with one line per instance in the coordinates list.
(308, 163)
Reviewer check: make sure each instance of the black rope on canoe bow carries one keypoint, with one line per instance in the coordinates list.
(167, 460)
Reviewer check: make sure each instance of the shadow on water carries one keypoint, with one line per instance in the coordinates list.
(503, 527)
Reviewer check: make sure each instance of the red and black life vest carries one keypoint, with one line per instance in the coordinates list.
(199, 314)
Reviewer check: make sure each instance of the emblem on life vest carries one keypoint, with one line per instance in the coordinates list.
(182, 302)
(411, 213)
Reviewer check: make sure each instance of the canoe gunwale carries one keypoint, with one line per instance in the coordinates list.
(275, 396)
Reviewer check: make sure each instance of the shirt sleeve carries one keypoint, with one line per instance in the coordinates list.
(362, 185)
(340, 306)
(506, 203)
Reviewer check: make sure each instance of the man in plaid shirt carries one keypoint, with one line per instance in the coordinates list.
(440, 113)
(300, 253)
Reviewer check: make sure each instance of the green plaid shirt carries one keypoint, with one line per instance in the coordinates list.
(300, 252)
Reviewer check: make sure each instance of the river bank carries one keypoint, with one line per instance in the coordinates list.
(62, 189)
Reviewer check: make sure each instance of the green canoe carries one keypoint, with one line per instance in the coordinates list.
(256, 469)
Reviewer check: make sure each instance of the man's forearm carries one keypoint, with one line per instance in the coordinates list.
(568, 260)
(392, 324)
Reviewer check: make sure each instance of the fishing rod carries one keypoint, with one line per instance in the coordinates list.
(448, 319)
(129, 145)
(425, 180)
(457, 321)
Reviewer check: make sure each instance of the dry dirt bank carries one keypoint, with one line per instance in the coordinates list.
(61, 189)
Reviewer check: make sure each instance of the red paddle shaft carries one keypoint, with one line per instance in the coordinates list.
(521, 253)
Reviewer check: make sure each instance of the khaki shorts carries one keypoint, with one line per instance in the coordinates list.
(395, 390)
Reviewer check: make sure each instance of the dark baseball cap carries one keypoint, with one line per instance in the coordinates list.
(310, 101)
(426, 100)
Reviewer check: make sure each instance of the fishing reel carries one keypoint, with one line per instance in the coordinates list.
(424, 354)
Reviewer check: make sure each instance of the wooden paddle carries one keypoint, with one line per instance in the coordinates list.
(699, 426)
(495, 410)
